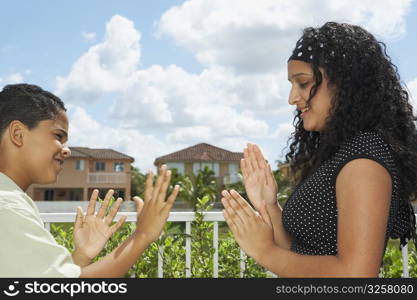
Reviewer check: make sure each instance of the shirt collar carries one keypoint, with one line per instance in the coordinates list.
(7, 184)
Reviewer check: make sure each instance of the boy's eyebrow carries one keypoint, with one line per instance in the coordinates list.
(64, 132)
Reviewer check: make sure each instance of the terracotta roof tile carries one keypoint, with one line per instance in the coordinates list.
(201, 152)
(85, 152)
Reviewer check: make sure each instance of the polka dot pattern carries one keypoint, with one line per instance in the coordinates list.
(310, 214)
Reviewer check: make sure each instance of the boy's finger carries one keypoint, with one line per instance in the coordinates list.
(92, 204)
(79, 218)
(105, 204)
(165, 183)
(148, 186)
(113, 212)
(139, 204)
(158, 182)
(171, 199)
(119, 224)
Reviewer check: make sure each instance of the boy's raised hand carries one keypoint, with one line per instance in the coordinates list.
(155, 211)
(92, 231)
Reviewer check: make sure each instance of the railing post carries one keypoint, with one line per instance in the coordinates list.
(216, 250)
(160, 261)
(242, 262)
(161, 250)
(188, 249)
(404, 252)
(48, 226)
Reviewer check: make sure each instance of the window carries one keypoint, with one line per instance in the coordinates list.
(176, 165)
(233, 173)
(119, 193)
(48, 195)
(201, 166)
(118, 167)
(100, 165)
(79, 165)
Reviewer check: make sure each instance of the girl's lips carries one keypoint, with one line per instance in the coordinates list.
(303, 114)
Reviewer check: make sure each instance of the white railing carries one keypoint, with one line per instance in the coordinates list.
(188, 217)
(99, 177)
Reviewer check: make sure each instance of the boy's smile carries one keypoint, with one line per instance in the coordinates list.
(45, 149)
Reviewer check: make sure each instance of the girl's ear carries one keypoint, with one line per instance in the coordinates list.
(17, 131)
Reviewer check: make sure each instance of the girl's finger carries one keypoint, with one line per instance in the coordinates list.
(242, 203)
(264, 214)
(230, 223)
(259, 156)
(244, 168)
(234, 211)
(252, 157)
(248, 165)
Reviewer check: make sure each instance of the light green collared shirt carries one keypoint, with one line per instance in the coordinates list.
(27, 249)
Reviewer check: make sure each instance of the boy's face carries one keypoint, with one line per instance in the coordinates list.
(45, 149)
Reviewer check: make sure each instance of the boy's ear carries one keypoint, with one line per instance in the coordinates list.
(17, 131)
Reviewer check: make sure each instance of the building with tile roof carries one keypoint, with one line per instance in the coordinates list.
(224, 163)
(85, 170)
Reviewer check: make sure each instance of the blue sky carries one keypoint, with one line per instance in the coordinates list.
(151, 77)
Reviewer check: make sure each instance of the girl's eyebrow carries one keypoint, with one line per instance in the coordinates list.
(299, 74)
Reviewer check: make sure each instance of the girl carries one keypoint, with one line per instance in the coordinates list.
(353, 156)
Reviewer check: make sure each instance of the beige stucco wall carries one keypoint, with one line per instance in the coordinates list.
(72, 178)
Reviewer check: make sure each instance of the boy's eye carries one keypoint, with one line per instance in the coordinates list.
(59, 136)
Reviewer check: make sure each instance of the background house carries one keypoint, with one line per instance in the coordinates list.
(84, 171)
(225, 164)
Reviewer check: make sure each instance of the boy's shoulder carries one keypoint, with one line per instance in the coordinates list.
(16, 201)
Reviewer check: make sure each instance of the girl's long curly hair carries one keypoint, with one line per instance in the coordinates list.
(369, 96)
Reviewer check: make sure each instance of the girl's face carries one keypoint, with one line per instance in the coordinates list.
(45, 149)
(301, 76)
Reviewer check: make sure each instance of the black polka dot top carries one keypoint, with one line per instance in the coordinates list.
(310, 214)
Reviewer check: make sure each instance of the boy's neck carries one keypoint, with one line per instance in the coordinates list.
(21, 181)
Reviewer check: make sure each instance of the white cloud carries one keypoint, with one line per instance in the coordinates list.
(86, 132)
(412, 87)
(284, 131)
(11, 79)
(241, 94)
(89, 36)
(106, 66)
(257, 36)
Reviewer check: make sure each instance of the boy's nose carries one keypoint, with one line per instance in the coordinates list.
(66, 152)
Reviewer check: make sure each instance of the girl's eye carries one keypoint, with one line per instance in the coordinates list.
(303, 85)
